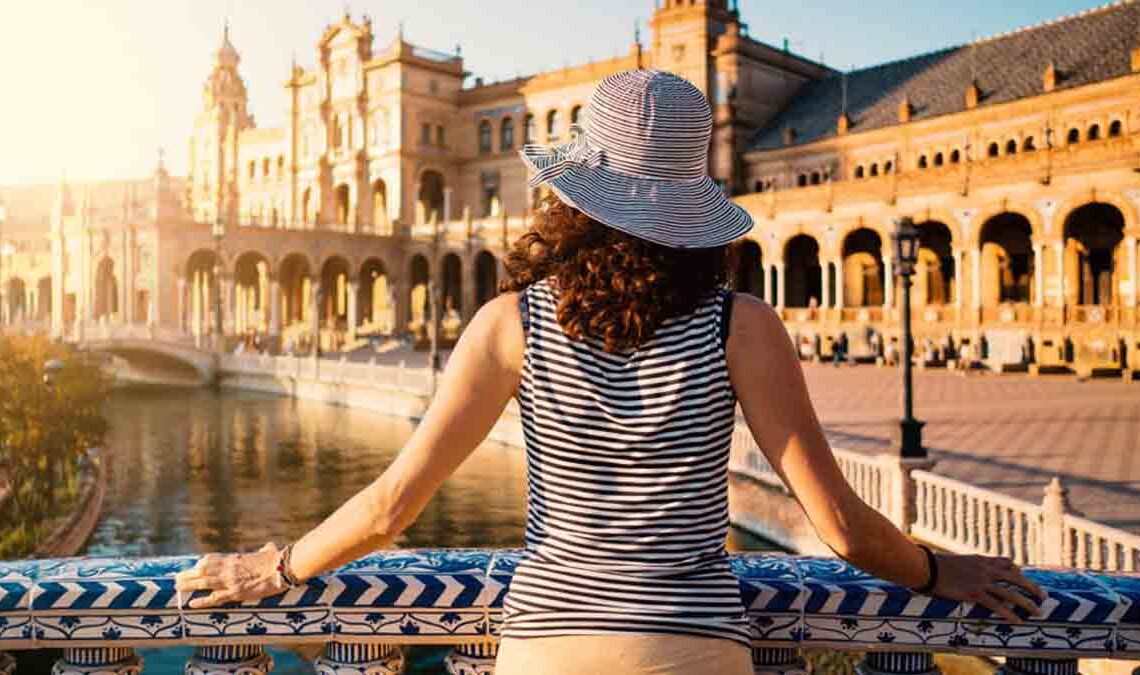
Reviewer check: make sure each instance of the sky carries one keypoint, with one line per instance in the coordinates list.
(92, 90)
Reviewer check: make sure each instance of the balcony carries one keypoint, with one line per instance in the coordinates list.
(98, 610)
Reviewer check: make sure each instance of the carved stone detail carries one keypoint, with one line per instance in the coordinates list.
(96, 661)
(473, 659)
(360, 659)
(229, 660)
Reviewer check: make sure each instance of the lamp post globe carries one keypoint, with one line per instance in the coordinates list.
(905, 242)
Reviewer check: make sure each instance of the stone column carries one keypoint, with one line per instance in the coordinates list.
(888, 283)
(959, 269)
(976, 277)
(446, 205)
(181, 304)
(1053, 509)
(781, 291)
(351, 288)
(229, 306)
(1133, 271)
(839, 281)
(315, 316)
(824, 289)
(1039, 274)
(98, 661)
(1060, 248)
(274, 308)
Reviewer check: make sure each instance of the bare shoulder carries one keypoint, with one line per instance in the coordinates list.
(497, 329)
(754, 322)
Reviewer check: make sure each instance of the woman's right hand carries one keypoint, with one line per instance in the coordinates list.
(991, 582)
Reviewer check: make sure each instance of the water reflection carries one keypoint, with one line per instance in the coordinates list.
(193, 471)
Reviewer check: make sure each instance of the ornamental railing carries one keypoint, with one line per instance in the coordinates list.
(99, 610)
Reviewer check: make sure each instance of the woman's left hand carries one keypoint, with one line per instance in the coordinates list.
(239, 577)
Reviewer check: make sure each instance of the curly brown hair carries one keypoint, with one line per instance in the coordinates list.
(612, 286)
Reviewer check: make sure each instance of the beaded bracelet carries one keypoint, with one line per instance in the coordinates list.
(284, 569)
(932, 563)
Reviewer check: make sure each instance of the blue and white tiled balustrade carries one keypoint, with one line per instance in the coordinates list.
(100, 609)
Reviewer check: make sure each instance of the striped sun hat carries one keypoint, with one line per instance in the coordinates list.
(640, 164)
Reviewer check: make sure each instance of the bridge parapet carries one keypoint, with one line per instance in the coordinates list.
(100, 609)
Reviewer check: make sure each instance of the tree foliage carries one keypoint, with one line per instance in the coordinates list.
(45, 430)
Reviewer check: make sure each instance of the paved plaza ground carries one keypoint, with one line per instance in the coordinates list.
(1010, 433)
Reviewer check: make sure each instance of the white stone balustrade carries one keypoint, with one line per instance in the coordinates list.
(100, 609)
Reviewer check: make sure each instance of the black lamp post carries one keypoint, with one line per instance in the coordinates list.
(905, 243)
(219, 232)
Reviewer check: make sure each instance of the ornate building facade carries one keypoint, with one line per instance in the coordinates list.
(1015, 154)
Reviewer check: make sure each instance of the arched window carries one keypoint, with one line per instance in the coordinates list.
(1094, 132)
(801, 180)
(955, 156)
(1011, 147)
(553, 124)
(575, 114)
(280, 166)
(1074, 136)
(922, 162)
(938, 159)
(875, 169)
(440, 136)
(485, 137)
(1028, 145)
(530, 130)
(859, 171)
(815, 177)
(889, 167)
(265, 168)
(507, 134)
(252, 169)
(425, 134)
(994, 150)
(1114, 129)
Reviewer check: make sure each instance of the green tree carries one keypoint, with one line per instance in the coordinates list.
(45, 428)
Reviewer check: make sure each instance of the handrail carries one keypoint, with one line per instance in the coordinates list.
(107, 606)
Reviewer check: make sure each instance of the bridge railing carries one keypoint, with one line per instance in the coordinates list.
(99, 610)
(399, 376)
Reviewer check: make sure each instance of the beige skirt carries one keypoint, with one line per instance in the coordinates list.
(625, 654)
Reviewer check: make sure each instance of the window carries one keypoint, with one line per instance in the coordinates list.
(1011, 147)
(859, 171)
(938, 159)
(265, 168)
(485, 137)
(490, 202)
(888, 167)
(252, 169)
(1074, 136)
(529, 130)
(955, 156)
(281, 166)
(1094, 132)
(801, 180)
(1114, 129)
(440, 136)
(922, 162)
(1028, 145)
(994, 150)
(553, 124)
(507, 134)
(425, 134)
(875, 169)
(758, 186)
(815, 177)
(575, 114)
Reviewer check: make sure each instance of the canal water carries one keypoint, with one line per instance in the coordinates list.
(194, 471)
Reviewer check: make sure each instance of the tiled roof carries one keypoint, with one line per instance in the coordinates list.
(1089, 47)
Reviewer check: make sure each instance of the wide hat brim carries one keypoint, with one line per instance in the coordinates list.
(674, 213)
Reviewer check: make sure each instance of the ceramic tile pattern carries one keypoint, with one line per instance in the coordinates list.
(443, 596)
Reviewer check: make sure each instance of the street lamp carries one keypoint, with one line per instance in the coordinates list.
(905, 243)
(219, 232)
(434, 290)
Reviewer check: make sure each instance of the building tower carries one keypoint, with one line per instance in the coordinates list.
(684, 34)
(213, 178)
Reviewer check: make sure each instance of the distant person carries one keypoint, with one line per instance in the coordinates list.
(620, 279)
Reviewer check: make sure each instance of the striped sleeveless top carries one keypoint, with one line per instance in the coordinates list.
(627, 481)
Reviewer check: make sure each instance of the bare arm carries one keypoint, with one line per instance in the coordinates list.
(773, 395)
(481, 377)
